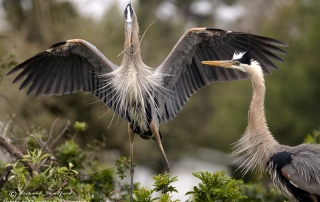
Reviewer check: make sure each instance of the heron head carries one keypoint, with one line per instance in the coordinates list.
(129, 17)
(240, 61)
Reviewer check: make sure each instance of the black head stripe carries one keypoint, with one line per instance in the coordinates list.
(246, 58)
(128, 12)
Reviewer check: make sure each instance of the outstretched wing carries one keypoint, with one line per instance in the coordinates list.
(182, 71)
(65, 68)
(304, 169)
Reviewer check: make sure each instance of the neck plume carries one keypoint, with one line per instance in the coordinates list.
(257, 144)
(134, 83)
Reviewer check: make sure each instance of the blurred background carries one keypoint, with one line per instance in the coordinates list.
(200, 137)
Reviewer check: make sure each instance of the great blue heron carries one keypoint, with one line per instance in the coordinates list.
(294, 170)
(140, 95)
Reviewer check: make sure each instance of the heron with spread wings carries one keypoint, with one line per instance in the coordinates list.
(143, 96)
(294, 170)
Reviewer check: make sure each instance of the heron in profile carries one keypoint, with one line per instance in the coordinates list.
(142, 96)
(294, 170)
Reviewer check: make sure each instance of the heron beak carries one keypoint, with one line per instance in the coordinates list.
(129, 17)
(129, 32)
(219, 63)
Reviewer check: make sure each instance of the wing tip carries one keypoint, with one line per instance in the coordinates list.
(12, 71)
(16, 68)
(271, 41)
(280, 43)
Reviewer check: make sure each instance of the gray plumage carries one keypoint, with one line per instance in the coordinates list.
(78, 65)
(294, 170)
(304, 169)
(143, 96)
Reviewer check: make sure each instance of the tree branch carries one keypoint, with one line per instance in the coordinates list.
(14, 151)
(26, 128)
(5, 175)
(51, 130)
(60, 135)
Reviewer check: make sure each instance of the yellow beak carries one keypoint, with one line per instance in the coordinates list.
(129, 38)
(219, 63)
(129, 32)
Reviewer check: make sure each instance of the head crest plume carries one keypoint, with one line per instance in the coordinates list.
(246, 56)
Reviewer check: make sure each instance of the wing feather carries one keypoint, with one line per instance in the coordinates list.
(52, 80)
(185, 75)
(67, 67)
(191, 82)
(304, 169)
(186, 86)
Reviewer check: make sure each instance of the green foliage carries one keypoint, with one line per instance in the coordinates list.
(33, 30)
(70, 176)
(217, 187)
(162, 183)
(35, 157)
(36, 28)
(143, 195)
(122, 164)
(314, 138)
(7, 62)
(80, 126)
(71, 152)
(260, 193)
(102, 182)
(47, 182)
(60, 182)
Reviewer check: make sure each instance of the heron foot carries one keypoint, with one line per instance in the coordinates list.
(167, 170)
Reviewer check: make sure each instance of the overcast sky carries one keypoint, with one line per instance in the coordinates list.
(96, 8)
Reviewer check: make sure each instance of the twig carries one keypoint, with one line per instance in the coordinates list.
(44, 148)
(127, 47)
(5, 175)
(4, 134)
(26, 128)
(143, 35)
(83, 175)
(14, 151)
(50, 135)
(25, 187)
(119, 196)
(75, 135)
(35, 139)
(75, 194)
(45, 160)
(60, 135)
(135, 40)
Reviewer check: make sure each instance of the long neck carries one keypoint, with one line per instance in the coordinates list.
(132, 81)
(132, 51)
(257, 118)
(257, 144)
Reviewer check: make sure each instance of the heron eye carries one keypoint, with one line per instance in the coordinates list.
(237, 63)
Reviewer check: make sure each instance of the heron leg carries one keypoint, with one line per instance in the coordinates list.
(131, 138)
(155, 131)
